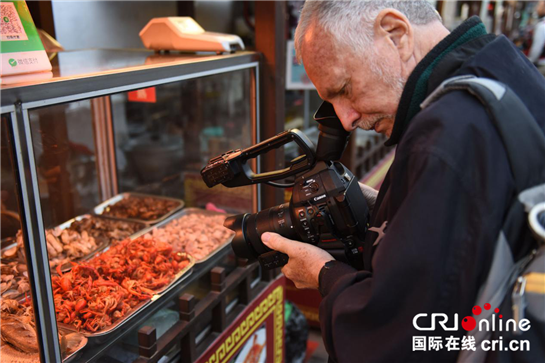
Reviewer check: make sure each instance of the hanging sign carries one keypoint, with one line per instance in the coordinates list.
(143, 95)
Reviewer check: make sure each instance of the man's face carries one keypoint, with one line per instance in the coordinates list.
(361, 97)
(540, 8)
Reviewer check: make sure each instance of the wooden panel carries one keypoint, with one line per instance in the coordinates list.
(270, 38)
(42, 14)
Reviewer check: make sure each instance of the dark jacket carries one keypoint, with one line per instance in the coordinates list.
(444, 200)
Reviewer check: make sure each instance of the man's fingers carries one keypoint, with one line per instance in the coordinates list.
(276, 242)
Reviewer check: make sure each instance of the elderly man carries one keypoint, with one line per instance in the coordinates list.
(537, 51)
(443, 201)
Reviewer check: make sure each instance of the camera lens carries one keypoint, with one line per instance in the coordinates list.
(238, 225)
(248, 229)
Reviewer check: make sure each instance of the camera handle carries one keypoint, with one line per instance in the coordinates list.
(232, 170)
(298, 165)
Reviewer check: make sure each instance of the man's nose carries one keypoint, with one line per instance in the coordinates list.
(347, 115)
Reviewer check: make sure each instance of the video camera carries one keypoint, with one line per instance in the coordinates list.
(327, 207)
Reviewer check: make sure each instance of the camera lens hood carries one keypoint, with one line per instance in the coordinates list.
(238, 225)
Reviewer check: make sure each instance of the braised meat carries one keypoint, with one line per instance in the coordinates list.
(143, 208)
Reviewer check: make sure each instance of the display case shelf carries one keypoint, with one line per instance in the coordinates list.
(83, 74)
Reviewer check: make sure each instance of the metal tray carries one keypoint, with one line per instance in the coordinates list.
(67, 224)
(20, 295)
(8, 243)
(68, 266)
(81, 345)
(109, 329)
(99, 209)
(178, 278)
(188, 211)
(10, 354)
(22, 357)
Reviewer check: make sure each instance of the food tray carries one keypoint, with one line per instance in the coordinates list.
(178, 278)
(68, 266)
(99, 209)
(12, 355)
(66, 225)
(188, 211)
(109, 329)
(81, 345)
(7, 244)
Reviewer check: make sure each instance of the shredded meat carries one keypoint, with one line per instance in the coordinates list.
(197, 234)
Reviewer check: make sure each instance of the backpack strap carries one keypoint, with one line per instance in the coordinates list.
(522, 137)
(524, 143)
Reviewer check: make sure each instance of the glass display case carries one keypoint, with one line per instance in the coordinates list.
(107, 226)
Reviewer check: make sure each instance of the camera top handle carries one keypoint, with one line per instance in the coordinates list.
(232, 170)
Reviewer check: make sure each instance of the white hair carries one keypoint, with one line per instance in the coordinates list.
(351, 22)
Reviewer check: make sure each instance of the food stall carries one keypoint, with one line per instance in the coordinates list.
(112, 245)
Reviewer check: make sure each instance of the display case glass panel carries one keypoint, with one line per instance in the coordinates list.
(165, 135)
(18, 334)
(64, 149)
(10, 223)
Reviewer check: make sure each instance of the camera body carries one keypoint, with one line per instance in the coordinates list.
(327, 208)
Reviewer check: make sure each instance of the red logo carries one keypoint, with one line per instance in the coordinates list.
(469, 323)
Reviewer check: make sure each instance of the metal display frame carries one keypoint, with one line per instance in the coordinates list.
(18, 101)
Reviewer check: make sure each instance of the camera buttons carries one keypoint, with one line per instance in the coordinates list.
(302, 214)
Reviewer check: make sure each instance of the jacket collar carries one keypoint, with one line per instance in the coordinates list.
(416, 88)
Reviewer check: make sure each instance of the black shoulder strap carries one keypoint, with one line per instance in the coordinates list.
(522, 137)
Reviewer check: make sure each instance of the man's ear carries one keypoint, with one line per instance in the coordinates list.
(396, 29)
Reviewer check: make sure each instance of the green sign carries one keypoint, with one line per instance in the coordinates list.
(33, 42)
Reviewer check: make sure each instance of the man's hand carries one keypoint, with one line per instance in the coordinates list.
(370, 195)
(305, 261)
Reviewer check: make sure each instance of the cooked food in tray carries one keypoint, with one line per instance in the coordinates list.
(18, 326)
(63, 245)
(110, 286)
(106, 231)
(141, 207)
(80, 238)
(14, 279)
(19, 340)
(198, 234)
